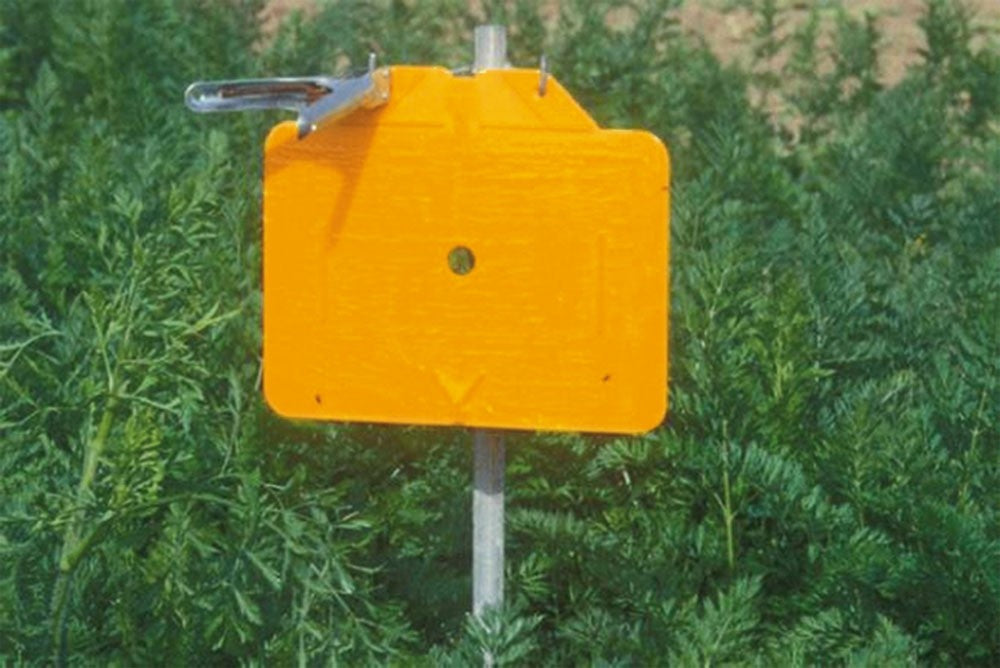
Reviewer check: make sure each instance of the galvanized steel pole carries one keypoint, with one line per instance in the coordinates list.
(487, 521)
(488, 480)
(491, 48)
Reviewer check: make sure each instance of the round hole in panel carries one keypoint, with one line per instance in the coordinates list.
(461, 260)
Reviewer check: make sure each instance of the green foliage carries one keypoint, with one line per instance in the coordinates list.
(823, 491)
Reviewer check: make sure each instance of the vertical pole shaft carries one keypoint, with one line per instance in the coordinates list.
(487, 494)
(491, 48)
(487, 521)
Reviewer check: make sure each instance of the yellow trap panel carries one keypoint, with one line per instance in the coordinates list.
(471, 253)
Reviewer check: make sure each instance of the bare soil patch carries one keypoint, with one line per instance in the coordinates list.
(729, 31)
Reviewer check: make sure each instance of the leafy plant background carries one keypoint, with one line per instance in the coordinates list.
(824, 490)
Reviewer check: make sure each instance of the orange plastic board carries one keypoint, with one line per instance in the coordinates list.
(559, 324)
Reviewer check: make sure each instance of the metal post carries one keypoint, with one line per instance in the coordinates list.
(487, 495)
(491, 48)
(487, 522)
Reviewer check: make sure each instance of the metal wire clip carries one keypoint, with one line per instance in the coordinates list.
(318, 100)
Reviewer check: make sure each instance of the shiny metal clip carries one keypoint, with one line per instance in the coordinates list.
(318, 100)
